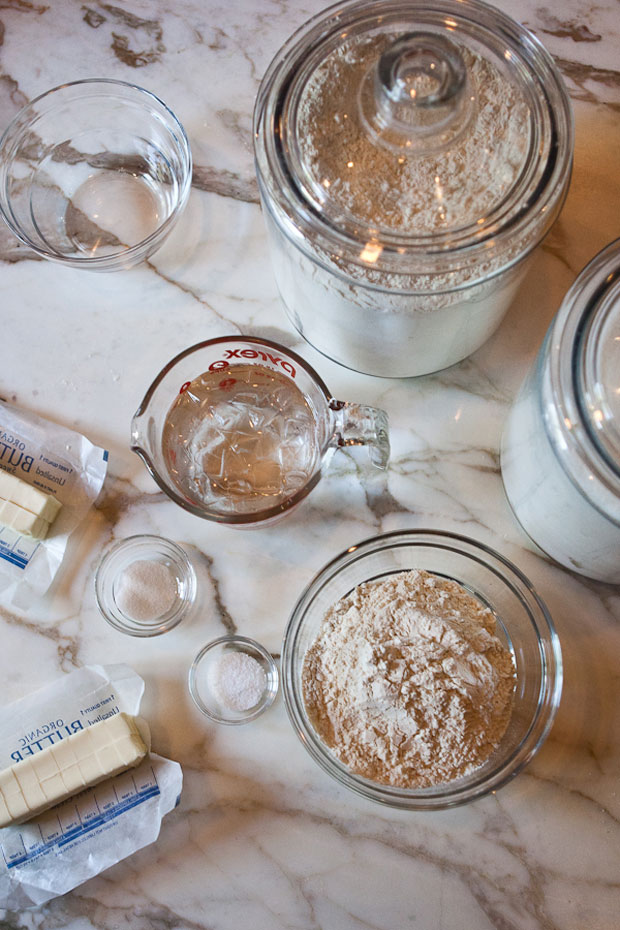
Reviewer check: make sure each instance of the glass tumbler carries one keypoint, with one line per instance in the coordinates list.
(560, 454)
(94, 174)
(239, 430)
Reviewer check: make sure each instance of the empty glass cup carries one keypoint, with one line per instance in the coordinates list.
(94, 174)
(238, 430)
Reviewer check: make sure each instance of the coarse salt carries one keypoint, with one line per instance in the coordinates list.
(238, 681)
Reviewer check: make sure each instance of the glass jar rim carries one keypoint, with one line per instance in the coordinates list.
(577, 407)
(524, 217)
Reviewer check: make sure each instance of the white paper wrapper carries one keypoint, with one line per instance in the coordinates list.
(99, 827)
(61, 462)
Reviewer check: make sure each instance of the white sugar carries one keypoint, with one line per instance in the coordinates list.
(146, 590)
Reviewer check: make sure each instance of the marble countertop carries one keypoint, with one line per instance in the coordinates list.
(262, 837)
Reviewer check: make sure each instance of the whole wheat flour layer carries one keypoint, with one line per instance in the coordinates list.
(407, 682)
(420, 194)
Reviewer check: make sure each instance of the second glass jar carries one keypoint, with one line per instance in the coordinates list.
(561, 446)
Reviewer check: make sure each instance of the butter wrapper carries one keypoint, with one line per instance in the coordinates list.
(81, 837)
(59, 462)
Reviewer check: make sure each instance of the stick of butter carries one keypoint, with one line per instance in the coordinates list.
(59, 771)
(23, 521)
(25, 495)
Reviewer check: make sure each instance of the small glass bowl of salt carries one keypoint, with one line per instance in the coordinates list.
(233, 679)
(145, 585)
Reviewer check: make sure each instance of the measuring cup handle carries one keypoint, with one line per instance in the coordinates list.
(359, 425)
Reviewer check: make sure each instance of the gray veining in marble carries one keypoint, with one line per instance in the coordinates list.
(262, 837)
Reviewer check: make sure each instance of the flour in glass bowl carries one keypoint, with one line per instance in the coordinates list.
(408, 683)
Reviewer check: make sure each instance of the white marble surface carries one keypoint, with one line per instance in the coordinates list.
(262, 837)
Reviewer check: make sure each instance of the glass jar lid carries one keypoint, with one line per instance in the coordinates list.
(415, 130)
(598, 360)
(584, 377)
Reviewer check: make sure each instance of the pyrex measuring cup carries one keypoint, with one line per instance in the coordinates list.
(238, 430)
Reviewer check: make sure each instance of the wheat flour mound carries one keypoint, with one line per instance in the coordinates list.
(407, 681)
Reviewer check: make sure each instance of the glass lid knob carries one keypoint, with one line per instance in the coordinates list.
(417, 98)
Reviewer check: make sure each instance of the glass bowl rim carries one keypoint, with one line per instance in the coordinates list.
(450, 794)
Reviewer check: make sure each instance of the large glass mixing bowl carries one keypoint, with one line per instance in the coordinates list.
(523, 624)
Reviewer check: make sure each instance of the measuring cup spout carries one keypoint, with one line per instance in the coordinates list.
(137, 432)
(143, 430)
(360, 425)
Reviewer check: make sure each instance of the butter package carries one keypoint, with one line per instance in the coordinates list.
(50, 476)
(66, 767)
(58, 849)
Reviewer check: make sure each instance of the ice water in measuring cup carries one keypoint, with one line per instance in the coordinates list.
(240, 440)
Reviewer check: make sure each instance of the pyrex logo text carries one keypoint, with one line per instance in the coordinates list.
(253, 353)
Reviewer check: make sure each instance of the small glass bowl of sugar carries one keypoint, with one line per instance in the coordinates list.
(145, 585)
(233, 679)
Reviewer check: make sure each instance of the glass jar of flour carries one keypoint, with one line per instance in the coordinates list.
(410, 156)
(561, 445)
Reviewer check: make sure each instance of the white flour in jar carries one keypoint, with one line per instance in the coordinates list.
(359, 311)
(390, 189)
(407, 682)
(579, 530)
